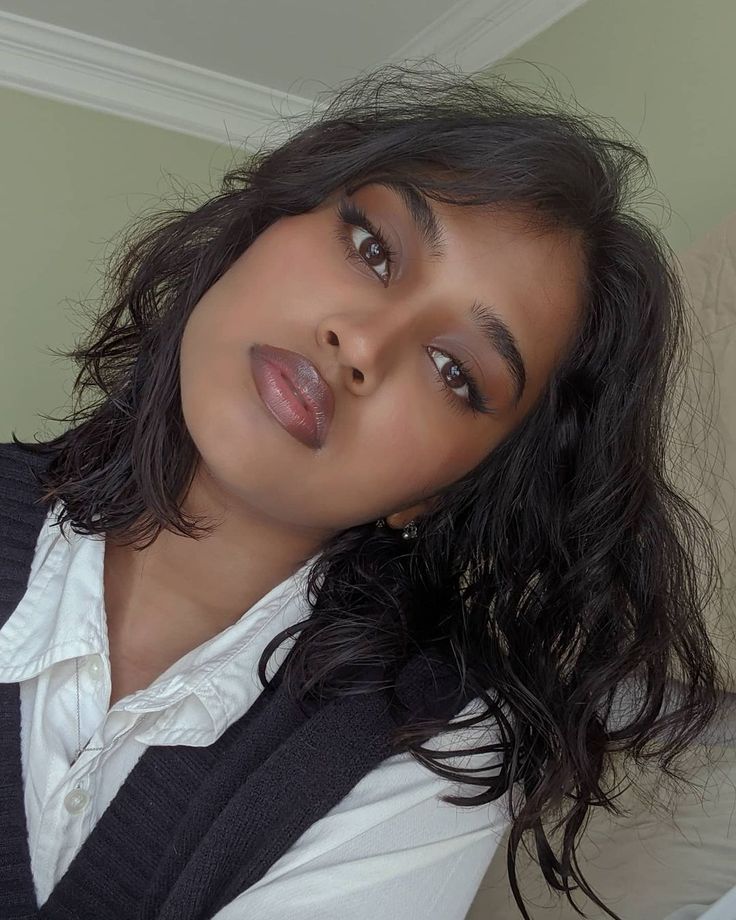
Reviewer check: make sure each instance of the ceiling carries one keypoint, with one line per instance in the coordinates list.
(223, 66)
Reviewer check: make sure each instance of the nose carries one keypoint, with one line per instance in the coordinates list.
(366, 345)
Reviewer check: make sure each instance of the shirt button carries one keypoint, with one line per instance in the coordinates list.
(76, 801)
(94, 668)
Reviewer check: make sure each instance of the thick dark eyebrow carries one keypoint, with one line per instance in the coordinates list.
(426, 222)
(502, 340)
(493, 329)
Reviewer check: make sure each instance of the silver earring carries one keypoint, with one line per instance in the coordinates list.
(410, 531)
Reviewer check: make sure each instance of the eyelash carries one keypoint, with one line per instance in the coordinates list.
(351, 215)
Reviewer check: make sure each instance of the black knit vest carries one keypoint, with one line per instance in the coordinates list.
(193, 827)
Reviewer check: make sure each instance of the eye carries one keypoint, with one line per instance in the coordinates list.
(365, 243)
(453, 370)
(372, 251)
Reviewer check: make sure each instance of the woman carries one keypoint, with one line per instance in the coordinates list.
(392, 405)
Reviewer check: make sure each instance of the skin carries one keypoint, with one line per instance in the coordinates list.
(395, 439)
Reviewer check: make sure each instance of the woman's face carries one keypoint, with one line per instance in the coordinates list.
(385, 338)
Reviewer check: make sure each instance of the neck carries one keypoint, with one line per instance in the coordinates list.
(166, 599)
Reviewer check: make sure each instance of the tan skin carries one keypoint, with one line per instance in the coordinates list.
(395, 439)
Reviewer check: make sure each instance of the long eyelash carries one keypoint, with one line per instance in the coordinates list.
(476, 402)
(352, 214)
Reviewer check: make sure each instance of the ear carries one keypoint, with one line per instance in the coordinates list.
(401, 518)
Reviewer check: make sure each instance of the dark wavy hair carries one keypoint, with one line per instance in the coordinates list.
(566, 566)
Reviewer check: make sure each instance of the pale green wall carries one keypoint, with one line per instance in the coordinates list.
(70, 180)
(666, 70)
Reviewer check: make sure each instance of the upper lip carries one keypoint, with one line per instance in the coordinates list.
(306, 381)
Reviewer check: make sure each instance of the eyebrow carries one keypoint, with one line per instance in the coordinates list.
(490, 325)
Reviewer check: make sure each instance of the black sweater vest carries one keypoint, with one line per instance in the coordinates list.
(193, 827)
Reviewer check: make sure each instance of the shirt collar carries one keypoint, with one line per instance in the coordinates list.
(62, 616)
(217, 682)
(62, 583)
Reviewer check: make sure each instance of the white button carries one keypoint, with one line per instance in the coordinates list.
(94, 667)
(76, 801)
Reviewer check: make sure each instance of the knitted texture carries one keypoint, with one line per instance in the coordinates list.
(20, 522)
(193, 827)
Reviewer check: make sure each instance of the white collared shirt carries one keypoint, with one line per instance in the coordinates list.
(388, 849)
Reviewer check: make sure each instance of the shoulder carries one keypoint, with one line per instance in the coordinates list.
(394, 838)
(23, 460)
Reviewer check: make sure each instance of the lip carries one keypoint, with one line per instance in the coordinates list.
(294, 392)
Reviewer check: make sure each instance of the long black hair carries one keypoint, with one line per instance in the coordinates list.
(561, 568)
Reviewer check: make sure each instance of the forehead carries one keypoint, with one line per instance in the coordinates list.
(531, 276)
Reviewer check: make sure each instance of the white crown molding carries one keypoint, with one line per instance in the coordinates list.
(474, 34)
(69, 66)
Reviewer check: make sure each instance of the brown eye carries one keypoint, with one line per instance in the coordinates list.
(451, 372)
(372, 251)
(364, 242)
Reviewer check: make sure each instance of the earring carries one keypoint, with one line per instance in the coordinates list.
(409, 532)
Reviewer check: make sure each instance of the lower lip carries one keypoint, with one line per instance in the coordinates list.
(281, 401)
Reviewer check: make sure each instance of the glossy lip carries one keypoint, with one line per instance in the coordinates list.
(294, 392)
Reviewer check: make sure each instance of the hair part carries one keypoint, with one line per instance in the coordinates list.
(561, 569)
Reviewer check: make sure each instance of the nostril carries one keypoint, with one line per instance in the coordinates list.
(357, 375)
(332, 338)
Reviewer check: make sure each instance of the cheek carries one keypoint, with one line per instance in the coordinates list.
(292, 253)
(263, 293)
(409, 444)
